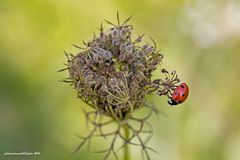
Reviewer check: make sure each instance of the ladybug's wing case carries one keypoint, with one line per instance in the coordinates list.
(176, 94)
(181, 93)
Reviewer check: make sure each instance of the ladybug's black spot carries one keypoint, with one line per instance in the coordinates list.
(183, 95)
(182, 86)
(175, 93)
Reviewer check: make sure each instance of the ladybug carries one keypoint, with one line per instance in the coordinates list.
(179, 95)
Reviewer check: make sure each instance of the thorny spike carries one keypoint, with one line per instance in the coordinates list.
(66, 54)
(128, 19)
(109, 22)
(155, 45)
(94, 35)
(84, 43)
(64, 69)
(118, 20)
(66, 81)
(78, 46)
(142, 35)
(101, 28)
(65, 64)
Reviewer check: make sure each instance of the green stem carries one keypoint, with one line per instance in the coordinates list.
(126, 149)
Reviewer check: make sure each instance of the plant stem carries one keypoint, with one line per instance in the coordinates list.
(126, 149)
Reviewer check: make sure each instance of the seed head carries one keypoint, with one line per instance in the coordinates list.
(113, 75)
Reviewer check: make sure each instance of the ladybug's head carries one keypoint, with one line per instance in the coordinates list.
(172, 102)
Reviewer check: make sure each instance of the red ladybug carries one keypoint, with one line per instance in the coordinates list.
(179, 95)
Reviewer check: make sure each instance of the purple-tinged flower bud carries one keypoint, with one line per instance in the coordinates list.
(129, 48)
(103, 90)
(113, 82)
(108, 55)
(140, 53)
(115, 33)
(147, 49)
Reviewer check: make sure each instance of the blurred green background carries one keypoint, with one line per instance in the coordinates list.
(200, 39)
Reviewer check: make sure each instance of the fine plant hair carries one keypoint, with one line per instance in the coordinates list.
(112, 74)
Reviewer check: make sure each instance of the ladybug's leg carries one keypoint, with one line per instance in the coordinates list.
(174, 75)
(166, 74)
(170, 100)
(169, 95)
(174, 78)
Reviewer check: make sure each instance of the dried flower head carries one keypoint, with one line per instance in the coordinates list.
(113, 74)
